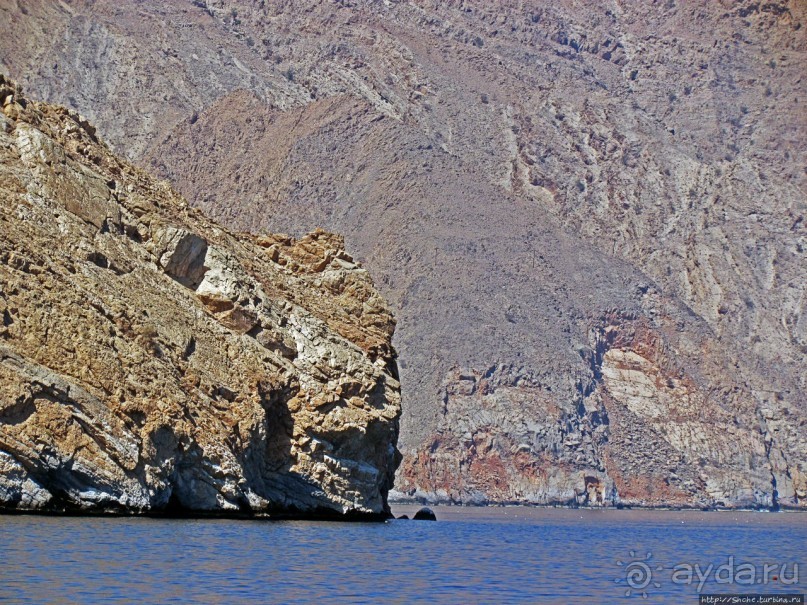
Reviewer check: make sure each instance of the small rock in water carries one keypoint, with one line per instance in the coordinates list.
(425, 514)
(403, 517)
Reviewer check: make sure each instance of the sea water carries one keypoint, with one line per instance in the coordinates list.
(470, 555)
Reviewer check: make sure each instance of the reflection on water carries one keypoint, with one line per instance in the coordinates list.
(488, 555)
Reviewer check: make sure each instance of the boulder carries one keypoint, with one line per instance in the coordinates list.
(425, 514)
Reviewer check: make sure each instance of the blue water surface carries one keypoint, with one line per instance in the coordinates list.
(483, 555)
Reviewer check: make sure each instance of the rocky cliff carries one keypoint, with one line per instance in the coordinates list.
(588, 217)
(152, 360)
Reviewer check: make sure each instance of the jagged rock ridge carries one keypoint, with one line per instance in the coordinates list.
(152, 360)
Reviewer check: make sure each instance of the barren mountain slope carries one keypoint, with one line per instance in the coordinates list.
(588, 216)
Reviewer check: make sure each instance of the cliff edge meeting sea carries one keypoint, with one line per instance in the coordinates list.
(403, 301)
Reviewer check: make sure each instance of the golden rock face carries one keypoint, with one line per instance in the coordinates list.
(150, 358)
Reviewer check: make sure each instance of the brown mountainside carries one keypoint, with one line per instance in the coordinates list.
(587, 216)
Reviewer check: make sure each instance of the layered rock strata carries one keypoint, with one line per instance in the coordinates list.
(151, 360)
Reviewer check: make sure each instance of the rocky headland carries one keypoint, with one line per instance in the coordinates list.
(153, 361)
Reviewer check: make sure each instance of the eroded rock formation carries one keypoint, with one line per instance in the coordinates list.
(150, 359)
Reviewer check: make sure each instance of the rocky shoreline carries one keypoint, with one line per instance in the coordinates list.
(313, 515)
(397, 502)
